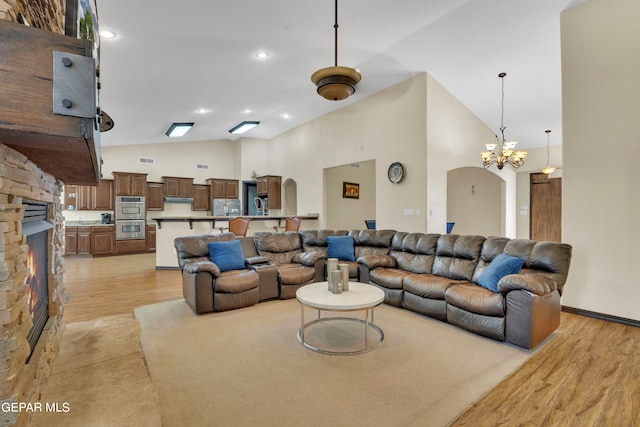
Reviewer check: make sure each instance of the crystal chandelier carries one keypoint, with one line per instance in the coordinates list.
(336, 83)
(548, 169)
(505, 152)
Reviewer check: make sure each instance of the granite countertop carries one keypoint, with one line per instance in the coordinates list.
(85, 224)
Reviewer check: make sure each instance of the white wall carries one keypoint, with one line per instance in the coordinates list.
(455, 138)
(484, 192)
(601, 106)
(174, 159)
(344, 213)
(388, 126)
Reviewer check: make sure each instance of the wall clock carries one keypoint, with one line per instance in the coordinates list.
(396, 172)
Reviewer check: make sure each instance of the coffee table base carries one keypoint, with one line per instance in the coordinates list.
(370, 342)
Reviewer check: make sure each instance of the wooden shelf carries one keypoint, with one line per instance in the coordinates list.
(64, 146)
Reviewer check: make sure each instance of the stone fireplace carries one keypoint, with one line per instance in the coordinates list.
(20, 382)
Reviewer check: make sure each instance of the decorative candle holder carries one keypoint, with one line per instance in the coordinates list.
(332, 264)
(336, 276)
(344, 269)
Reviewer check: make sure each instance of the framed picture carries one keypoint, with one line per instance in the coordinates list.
(350, 190)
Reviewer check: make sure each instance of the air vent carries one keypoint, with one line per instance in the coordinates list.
(201, 166)
(147, 160)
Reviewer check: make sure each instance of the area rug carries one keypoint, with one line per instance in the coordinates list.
(246, 368)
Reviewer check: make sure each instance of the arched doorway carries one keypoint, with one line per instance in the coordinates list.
(290, 190)
(476, 202)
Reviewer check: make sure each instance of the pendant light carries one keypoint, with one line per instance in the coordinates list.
(336, 83)
(548, 169)
(505, 153)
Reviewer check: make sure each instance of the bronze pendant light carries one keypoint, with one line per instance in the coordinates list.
(336, 83)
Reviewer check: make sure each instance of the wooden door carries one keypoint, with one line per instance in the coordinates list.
(546, 208)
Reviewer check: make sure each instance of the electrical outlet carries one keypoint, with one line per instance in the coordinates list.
(408, 212)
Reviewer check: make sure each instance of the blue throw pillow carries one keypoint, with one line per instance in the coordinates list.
(227, 255)
(501, 266)
(340, 247)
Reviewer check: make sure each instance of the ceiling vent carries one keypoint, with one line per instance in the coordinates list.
(201, 166)
(146, 160)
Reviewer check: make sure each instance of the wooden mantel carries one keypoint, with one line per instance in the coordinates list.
(63, 146)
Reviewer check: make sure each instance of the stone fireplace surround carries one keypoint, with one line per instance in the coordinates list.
(19, 382)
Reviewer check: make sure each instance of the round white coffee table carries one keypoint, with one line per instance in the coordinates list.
(360, 296)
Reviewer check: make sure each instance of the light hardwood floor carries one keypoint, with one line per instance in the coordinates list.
(587, 374)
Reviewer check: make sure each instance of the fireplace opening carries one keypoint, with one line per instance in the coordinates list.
(35, 227)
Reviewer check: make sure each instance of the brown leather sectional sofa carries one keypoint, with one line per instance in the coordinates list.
(435, 275)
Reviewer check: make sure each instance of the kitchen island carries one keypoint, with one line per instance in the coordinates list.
(170, 227)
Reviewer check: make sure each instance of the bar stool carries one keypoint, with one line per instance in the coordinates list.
(291, 224)
(237, 226)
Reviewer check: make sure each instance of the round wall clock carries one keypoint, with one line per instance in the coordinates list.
(395, 172)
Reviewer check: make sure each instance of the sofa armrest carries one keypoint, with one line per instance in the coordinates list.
(535, 283)
(308, 258)
(375, 261)
(202, 266)
(255, 260)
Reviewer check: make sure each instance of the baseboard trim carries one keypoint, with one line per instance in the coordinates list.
(167, 268)
(601, 316)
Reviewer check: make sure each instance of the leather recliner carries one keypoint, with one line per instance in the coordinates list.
(204, 286)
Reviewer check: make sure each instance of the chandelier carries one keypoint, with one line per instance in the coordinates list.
(548, 169)
(503, 152)
(336, 83)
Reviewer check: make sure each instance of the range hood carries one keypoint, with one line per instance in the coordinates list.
(178, 199)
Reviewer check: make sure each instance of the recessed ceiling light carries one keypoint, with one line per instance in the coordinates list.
(286, 116)
(243, 127)
(107, 34)
(203, 111)
(179, 129)
(262, 55)
(247, 110)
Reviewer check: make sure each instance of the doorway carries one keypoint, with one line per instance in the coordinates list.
(249, 191)
(546, 208)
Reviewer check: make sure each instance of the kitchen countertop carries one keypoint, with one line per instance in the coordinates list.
(213, 219)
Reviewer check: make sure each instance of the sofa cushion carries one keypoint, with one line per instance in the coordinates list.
(501, 266)
(227, 255)
(340, 247)
(475, 299)
(428, 285)
(295, 274)
(388, 277)
(236, 281)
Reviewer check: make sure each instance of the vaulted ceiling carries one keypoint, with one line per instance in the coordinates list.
(195, 60)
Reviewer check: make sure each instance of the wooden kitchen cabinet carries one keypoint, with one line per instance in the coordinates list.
(201, 198)
(129, 184)
(269, 186)
(177, 186)
(151, 238)
(89, 197)
(71, 240)
(102, 196)
(84, 241)
(103, 240)
(224, 188)
(71, 197)
(85, 198)
(155, 196)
